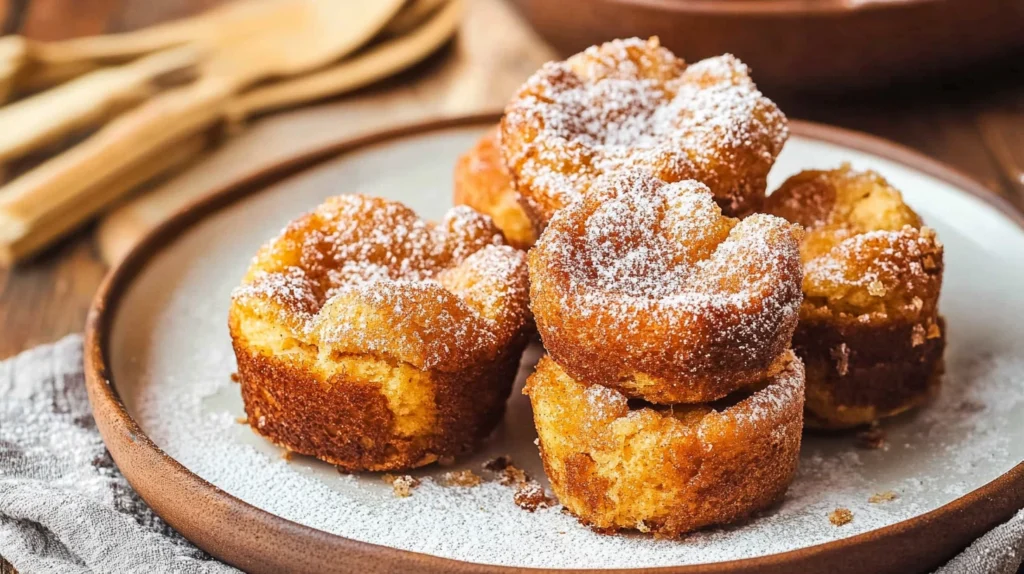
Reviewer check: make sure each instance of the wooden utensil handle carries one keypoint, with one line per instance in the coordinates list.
(61, 220)
(44, 118)
(64, 179)
(12, 56)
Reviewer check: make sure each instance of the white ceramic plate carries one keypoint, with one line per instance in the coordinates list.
(170, 358)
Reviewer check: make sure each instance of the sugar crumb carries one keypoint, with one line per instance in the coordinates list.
(917, 335)
(530, 496)
(840, 516)
(403, 485)
(466, 478)
(887, 496)
(841, 355)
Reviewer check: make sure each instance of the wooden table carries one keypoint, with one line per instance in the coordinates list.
(973, 121)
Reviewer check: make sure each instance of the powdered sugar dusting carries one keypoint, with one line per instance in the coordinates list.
(632, 103)
(171, 361)
(483, 524)
(635, 247)
(366, 275)
(897, 258)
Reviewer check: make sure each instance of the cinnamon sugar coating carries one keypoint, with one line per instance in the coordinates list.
(869, 333)
(633, 104)
(376, 341)
(483, 183)
(618, 465)
(644, 286)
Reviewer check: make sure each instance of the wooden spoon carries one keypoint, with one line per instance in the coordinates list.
(302, 36)
(415, 13)
(122, 228)
(375, 63)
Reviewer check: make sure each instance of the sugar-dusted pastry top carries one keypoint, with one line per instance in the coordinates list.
(633, 104)
(364, 275)
(865, 251)
(642, 279)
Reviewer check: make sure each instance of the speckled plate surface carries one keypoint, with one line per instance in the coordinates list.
(160, 364)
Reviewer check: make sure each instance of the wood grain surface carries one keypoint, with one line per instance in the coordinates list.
(974, 122)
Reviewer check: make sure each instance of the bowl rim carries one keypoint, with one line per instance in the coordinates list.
(212, 518)
(772, 7)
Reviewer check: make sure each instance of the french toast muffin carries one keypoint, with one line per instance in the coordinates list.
(620, 464)
(483, 183)
(633, 104)
(645, 287)
(374, 340)
(869, 334)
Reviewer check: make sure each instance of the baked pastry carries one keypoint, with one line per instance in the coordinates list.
(483, 183)
(373, 340)
(644, 286)
(620, 464)
(869, 332)
(633, 104)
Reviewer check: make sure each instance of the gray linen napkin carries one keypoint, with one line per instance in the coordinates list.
(64, 506)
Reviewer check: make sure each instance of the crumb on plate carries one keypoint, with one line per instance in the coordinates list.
(401, 485)
(840, 516)
(466, 478)
(886, 496)
(530, 496)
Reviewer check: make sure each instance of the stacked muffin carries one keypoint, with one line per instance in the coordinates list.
(669, 399)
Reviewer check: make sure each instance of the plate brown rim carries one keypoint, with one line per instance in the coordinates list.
(259, 541)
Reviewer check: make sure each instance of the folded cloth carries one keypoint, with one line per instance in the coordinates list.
(64, 506)
(1001, 551)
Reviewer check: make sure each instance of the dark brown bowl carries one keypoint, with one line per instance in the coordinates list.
(819, 45)
(258, 541)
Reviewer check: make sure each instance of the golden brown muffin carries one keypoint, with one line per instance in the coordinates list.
(869, 333)
(483, 183)
(644, 286)
(620, 465)
(633, 104)
(373, 340)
